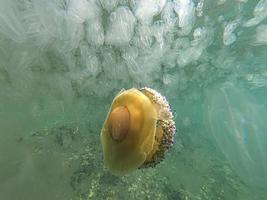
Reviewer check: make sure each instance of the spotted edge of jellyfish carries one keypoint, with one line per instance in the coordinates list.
(167, 125)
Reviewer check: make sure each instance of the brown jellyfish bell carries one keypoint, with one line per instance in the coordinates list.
(138, 130)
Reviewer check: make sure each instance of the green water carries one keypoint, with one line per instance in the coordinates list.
(63, 61)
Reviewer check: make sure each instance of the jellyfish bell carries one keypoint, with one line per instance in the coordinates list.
(137, 132)
(119, 122)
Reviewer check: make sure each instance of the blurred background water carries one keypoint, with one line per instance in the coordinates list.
(63, 61)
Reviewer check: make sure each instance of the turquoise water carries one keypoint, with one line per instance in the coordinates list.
(63, 61)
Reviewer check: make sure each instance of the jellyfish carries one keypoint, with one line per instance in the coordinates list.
(138, 131)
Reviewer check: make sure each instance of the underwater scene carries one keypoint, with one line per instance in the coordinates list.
(133, 99)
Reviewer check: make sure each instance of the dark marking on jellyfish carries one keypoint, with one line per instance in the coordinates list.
(166, 143)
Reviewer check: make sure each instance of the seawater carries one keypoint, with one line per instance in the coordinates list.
(63, 61)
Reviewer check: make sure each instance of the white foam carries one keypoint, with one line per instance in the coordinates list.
(199, 8)
(89, 61)
(260, 13)
(261, 35)
(109, 5)
(10, 22)
(120, 27)
(185, 9)
(147, 9)
(229, 36)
